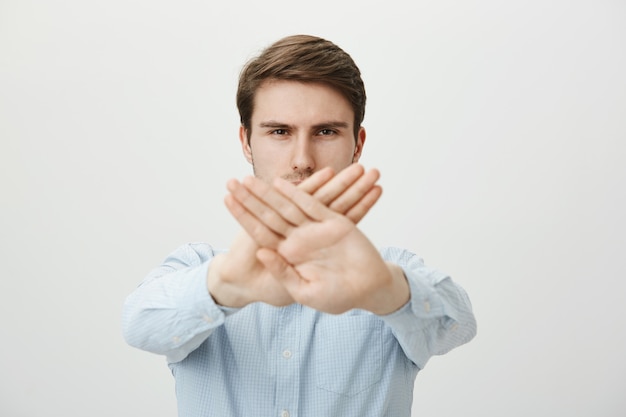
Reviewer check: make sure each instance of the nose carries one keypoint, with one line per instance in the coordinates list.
(302, 156)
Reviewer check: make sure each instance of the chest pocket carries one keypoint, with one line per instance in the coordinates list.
(348, 353)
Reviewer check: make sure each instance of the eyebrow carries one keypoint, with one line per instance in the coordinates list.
(325, 125)
(332, 125)
(274, 124)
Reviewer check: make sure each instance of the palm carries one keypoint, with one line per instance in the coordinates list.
(324, 261)
(243, 264)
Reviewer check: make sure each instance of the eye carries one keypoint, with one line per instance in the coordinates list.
(279, 132)
(327, 132)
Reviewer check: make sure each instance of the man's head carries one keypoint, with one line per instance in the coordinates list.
(301, 104)
(307, 59)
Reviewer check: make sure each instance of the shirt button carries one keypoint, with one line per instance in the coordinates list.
(286, 355)
(427, 306)
(207, 319)
(284, 413)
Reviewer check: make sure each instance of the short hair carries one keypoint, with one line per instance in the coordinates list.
(307, 59)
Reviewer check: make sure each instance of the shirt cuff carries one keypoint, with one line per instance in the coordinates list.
(424, 303)
(203, 289)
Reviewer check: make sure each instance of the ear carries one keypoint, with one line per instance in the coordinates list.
(360, 142)
(245, 146)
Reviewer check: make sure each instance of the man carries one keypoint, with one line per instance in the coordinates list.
(302, 316)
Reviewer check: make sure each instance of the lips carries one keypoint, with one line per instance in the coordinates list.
(295, 179)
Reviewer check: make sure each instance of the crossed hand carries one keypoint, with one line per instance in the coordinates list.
(301, 244)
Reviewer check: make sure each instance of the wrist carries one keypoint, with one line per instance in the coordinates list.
(394, 295)
(222, 290)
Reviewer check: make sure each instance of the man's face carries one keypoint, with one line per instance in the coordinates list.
(299, 128)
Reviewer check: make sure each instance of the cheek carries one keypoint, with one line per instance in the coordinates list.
(267, 159)
(266, 153)
(338, 157)
(259, 150)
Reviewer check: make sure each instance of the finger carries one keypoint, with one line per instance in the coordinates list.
(358, 190)
(315, 181)
(257, 230)
(271, 198)
(359, 210)
(278, 266)
(308, 204)
(259, 208)
(339, 184)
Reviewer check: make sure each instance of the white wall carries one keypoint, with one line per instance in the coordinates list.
(499, 128)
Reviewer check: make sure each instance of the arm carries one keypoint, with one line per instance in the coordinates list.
(171, 312)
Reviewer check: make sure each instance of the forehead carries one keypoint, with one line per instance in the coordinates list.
(299, 101)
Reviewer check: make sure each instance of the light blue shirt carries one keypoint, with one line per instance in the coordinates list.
(292, 361)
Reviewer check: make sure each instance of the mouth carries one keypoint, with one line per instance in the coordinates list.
(298, 176)
(295, 179)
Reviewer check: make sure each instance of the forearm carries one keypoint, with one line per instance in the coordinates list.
(171, 312)
(438, 316)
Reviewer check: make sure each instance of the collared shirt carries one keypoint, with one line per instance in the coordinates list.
(292, 361)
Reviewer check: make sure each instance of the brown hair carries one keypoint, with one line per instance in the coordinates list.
(302, 58)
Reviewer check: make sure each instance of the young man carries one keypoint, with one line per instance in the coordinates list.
(302, 316)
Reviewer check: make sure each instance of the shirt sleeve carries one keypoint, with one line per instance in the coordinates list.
(171, 312)
(438, 316)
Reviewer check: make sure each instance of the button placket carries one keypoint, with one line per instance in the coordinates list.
(287, 366)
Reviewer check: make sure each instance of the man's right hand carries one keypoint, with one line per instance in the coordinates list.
(237, 278)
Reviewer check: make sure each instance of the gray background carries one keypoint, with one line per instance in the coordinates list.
(498, 128)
